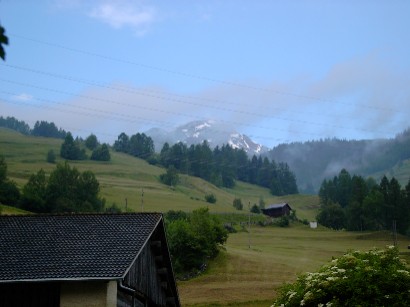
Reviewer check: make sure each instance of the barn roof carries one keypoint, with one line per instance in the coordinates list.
(72, 247)
(277, 206)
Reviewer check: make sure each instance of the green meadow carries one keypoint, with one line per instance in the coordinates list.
(243, 276)
(125, 179)
(254, 262)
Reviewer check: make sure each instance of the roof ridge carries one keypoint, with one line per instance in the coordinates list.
(80, 214)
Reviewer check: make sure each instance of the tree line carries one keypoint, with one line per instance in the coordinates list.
(355, 203)
(66, 189)
(41, 128)
(221, 166)
(71, 149)
(75, 149)
(224, 165)
(138, 145)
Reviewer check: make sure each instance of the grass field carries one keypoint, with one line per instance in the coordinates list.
(240, 276)
(243, 276)
(401, 172)
(126, 177)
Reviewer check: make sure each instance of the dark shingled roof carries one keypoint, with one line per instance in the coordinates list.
(72, 247)
(277, 206)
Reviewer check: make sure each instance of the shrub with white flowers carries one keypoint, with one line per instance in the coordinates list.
(373, 278)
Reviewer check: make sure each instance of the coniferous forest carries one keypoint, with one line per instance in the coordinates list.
(222, 165)
(356, 203)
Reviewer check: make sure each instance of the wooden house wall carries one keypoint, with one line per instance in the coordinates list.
(144, 278)
(277, 212)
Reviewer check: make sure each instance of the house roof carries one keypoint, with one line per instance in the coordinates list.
(72, 247)
(277, 206)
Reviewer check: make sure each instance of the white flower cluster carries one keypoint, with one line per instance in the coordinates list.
(323, 288)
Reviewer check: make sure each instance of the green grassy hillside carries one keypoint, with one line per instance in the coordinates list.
(7, 210)
(400, 171)
(125, 177)
(240, 276)
(243, 276)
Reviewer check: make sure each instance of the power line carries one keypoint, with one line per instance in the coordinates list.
(153, 94)
(170, 99)
(107, 115)
(194, 76)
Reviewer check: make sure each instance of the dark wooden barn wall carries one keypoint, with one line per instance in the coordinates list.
(144, 278)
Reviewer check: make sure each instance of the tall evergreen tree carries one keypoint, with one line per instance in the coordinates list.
(122, 143)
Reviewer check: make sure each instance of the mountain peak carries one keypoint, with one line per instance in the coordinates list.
(198, 131)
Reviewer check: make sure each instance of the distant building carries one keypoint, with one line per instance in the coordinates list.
(277, 210)
(313, 224)
(85, 260)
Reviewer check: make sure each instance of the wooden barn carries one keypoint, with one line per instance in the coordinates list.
(277, 210)
(85, 260)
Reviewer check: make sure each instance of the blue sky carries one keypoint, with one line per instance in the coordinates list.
(278, 71)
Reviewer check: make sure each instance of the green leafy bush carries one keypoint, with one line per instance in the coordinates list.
(171, 177)
(373, 278)
(101, 153)
(193, 238)
(255, 209)
(283, 221)
(237, 204)
(210, 198)
(51, 156)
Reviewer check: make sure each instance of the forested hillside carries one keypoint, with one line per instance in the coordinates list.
(41, 128)
(354, 203)
(315, 160)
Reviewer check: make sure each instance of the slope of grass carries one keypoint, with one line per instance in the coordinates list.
(125, 179)
(240, 276)
(400, 171)
(251, 276)
(7, 210)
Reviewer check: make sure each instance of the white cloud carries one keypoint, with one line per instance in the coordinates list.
(22, 97)
(133, 14)
(119, 14)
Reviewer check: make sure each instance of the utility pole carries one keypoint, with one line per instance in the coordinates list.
(394, 233)
(249, 226)
(142, 201)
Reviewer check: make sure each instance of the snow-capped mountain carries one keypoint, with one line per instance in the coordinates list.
(196, 132)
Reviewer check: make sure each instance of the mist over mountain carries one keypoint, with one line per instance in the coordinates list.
(314, 161)
(311, 161)
(214, 132)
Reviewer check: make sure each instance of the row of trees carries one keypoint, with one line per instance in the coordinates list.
(71, 149)
(65, 190)
(74, 149)
(41, 128)
(138, 145)
(354, 203)
(224, 165)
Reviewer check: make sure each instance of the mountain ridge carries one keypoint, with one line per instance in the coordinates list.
(214, 132)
